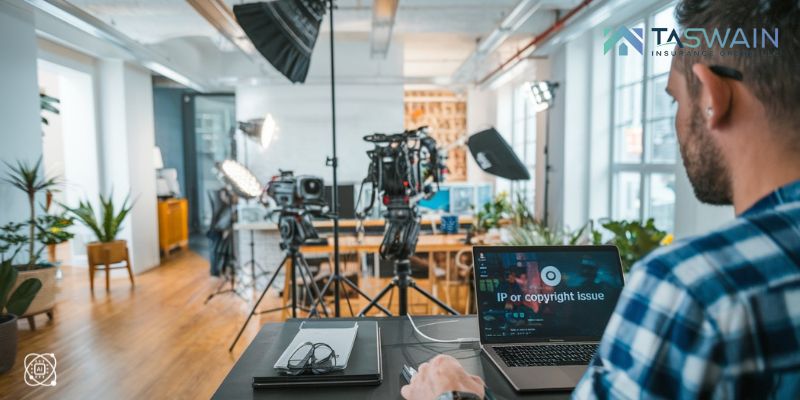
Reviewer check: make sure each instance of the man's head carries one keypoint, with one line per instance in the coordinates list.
(715, 110)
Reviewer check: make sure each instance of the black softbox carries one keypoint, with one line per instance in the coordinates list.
(284, 32)
(495, 156)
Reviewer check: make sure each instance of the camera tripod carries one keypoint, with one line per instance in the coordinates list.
(293, 235)
(398, 244)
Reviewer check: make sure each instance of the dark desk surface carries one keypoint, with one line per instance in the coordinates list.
(400, 345)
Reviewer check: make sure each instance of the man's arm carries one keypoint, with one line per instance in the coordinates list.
(658, 342)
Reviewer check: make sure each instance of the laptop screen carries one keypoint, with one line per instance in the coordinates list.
(540, 293)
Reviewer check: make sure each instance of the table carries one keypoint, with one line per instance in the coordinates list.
(399, 345)
(438, 243)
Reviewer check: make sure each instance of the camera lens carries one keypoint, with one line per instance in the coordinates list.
(311, 187)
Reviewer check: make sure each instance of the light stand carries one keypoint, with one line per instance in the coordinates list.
(229, 267)
(544, 96)
(337, 279)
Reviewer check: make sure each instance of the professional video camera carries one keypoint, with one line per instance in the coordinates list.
(296, 191)
(405, 164)
(298, 199)
(404, 168)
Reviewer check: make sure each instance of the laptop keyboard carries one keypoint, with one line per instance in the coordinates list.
(545, 355)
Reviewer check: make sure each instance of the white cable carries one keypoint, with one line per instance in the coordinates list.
(457, 340)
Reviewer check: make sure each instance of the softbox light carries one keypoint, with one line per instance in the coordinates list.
(495, 156)
(284, 32)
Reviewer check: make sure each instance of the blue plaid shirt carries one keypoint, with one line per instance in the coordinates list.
(716, 316)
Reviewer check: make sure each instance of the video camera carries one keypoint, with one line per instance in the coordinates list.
(298, 198)
(404, 166)
(296, 192)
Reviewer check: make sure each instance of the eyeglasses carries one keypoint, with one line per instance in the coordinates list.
(726, 72)
(317, 358)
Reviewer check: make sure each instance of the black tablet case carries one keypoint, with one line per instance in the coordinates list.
(365, 366)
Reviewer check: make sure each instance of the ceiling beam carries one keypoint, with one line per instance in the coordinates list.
(85, 22)
(383, 16)
(217, 13)
(510, 24)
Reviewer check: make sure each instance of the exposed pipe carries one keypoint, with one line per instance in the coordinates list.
(521, 53)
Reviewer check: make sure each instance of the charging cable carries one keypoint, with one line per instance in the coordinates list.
(456, 340)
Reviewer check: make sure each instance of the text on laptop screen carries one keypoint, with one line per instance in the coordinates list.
(546, 294)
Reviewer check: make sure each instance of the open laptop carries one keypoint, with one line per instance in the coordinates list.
(543, 309)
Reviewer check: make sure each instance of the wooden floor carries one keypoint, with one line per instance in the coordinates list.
(155, 341)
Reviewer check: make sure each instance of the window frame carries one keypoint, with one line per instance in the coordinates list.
(646, 168)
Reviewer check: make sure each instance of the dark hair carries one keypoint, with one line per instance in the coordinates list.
(773, 79)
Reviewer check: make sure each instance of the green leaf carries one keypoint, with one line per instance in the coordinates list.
(23, 296)
(8, 275)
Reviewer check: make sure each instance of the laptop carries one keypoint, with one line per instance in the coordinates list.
(543, 309)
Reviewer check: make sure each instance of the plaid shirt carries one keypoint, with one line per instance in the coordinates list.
(716, 316)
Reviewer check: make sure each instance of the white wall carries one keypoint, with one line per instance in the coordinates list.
(569, 135)
(481, 115)
(70, 144)
(127, 139)
(21, 134)
(303, 113)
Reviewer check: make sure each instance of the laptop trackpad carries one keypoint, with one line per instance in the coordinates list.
(565, 377)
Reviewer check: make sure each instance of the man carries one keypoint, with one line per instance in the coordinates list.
(718, 315)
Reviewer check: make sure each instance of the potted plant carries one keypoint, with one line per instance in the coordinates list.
(633, 239)
(13, 302)
(15, 238)
(107, 249)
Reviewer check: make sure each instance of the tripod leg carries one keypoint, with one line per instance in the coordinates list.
(255, 306)
(321, 298)
(377, 298)
(293, 286)
(359, 291)
(313, 285)
(430, 297)
(310, 286)
(347, 298)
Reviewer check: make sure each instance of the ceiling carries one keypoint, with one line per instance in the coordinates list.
(436, 36)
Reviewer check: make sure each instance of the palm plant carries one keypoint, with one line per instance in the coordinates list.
(47, 103)
(30, 179)
(18, 301)
(110, 222)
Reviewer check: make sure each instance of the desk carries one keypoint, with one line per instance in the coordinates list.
(399, 345)
(439, 243)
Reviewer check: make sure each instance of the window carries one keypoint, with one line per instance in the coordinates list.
(523, 140)
(644, 145)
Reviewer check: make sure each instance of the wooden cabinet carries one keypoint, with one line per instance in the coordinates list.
(173, 224)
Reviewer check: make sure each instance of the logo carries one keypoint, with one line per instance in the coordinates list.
(634, 36)
(551, 276)
(40, 369)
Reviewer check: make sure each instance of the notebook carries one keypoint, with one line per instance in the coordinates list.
(340, 339)
(364, 366)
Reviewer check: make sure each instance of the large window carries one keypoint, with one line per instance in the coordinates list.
(643, 145)
(523, 139)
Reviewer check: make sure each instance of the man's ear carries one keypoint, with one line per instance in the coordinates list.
(715, 96)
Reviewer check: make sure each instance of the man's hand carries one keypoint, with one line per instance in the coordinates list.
(441, 375)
